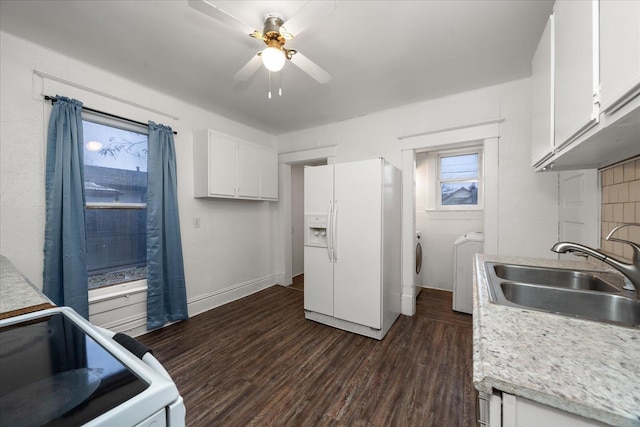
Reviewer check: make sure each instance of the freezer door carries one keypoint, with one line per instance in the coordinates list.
(357, 228)
(318, 280)
(318, 189)
(318, 266)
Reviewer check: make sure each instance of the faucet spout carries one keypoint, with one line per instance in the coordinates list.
(631, 271)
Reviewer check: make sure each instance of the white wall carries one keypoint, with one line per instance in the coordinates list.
(528, 220)
(227, 257)
(239, 247)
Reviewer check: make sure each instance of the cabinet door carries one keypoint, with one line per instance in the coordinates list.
(248, 170)
(520, 412)
(222, 165)
(542, 97)
(268, 174)
(575, 74)
(619, 52)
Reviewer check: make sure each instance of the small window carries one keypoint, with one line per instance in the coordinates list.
(459, 180)
(115, 183)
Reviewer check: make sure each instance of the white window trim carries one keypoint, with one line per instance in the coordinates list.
(434, 196)
(114, 205)
(118, 290)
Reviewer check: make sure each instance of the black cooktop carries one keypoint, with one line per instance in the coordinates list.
(53, 374)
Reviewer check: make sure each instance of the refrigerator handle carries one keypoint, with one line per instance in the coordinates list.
(334, 232)
(329, 242)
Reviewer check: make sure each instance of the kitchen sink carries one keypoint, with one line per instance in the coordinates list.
(589, 305)
(556, 277)
(584, 294)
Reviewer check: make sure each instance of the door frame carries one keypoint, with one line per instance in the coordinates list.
(283, 258)
(488, 134)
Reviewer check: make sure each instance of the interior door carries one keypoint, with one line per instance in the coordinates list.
(579, 210)
(358, 230)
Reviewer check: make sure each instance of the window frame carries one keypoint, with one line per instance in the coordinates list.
(99, 293)
(437, 191)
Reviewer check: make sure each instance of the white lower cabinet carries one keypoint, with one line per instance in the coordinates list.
(502, 409)
(227, 167)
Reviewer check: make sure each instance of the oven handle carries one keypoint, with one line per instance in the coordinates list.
(136, 348)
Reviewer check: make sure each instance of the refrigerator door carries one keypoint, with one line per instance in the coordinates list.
(357, 228)
(318, 265)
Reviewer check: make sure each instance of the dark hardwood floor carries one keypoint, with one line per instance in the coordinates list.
(258, 361)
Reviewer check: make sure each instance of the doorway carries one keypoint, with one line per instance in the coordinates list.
(297, 220)
(286, 227)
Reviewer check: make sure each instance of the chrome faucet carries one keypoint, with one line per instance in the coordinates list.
(631, 271)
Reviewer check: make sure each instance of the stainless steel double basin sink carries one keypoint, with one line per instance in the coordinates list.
(589, 295)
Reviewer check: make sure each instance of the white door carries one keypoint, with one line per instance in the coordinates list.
(357, 246)
(579, 208)
(318, 266)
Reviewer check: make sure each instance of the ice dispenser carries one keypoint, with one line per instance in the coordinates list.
(316, 230)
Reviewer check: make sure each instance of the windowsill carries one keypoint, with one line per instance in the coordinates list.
(452, 214)
(116, 291)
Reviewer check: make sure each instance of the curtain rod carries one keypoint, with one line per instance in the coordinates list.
(54, 99)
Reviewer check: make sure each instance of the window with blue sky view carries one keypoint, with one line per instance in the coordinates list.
(459, 178)
(115, 175)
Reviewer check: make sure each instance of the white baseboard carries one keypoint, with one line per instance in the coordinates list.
(136, 323)
(408, 305)
(206, 302)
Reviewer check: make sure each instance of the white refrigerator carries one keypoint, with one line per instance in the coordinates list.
(352, 246)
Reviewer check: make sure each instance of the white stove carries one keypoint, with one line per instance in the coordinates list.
(57, 369)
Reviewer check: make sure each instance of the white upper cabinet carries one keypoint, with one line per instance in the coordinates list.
(248, 170)
(576, 69)
(224, 166)
(542, 97)
(595, 56)
(268, 174)
(619, 52)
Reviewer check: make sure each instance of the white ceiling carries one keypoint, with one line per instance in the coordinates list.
(381, 54)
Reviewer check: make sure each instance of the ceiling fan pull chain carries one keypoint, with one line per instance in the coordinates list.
(280, 83)
(269, 84)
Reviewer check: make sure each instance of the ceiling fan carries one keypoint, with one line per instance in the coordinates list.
(275, 34)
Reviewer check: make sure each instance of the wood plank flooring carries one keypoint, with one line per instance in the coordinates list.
(258, 361)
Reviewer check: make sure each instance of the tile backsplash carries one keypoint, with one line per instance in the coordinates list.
(620, 204)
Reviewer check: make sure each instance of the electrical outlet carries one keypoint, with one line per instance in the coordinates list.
(196, 222)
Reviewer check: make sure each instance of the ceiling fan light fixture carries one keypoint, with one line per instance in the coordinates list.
(273, 58)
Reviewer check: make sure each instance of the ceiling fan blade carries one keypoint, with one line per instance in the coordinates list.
(210, 9)
(307, 15)
(249, 68)
(311, 68)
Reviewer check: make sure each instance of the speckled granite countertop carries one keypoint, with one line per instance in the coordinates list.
(584, 367)
(17, 294)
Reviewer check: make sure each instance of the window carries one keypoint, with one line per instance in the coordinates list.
(459, 180)
(115, 183)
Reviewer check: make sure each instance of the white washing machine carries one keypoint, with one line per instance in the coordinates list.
(418, 263)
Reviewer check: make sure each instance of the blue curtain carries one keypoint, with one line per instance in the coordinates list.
(166, 293)
(65, 243)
